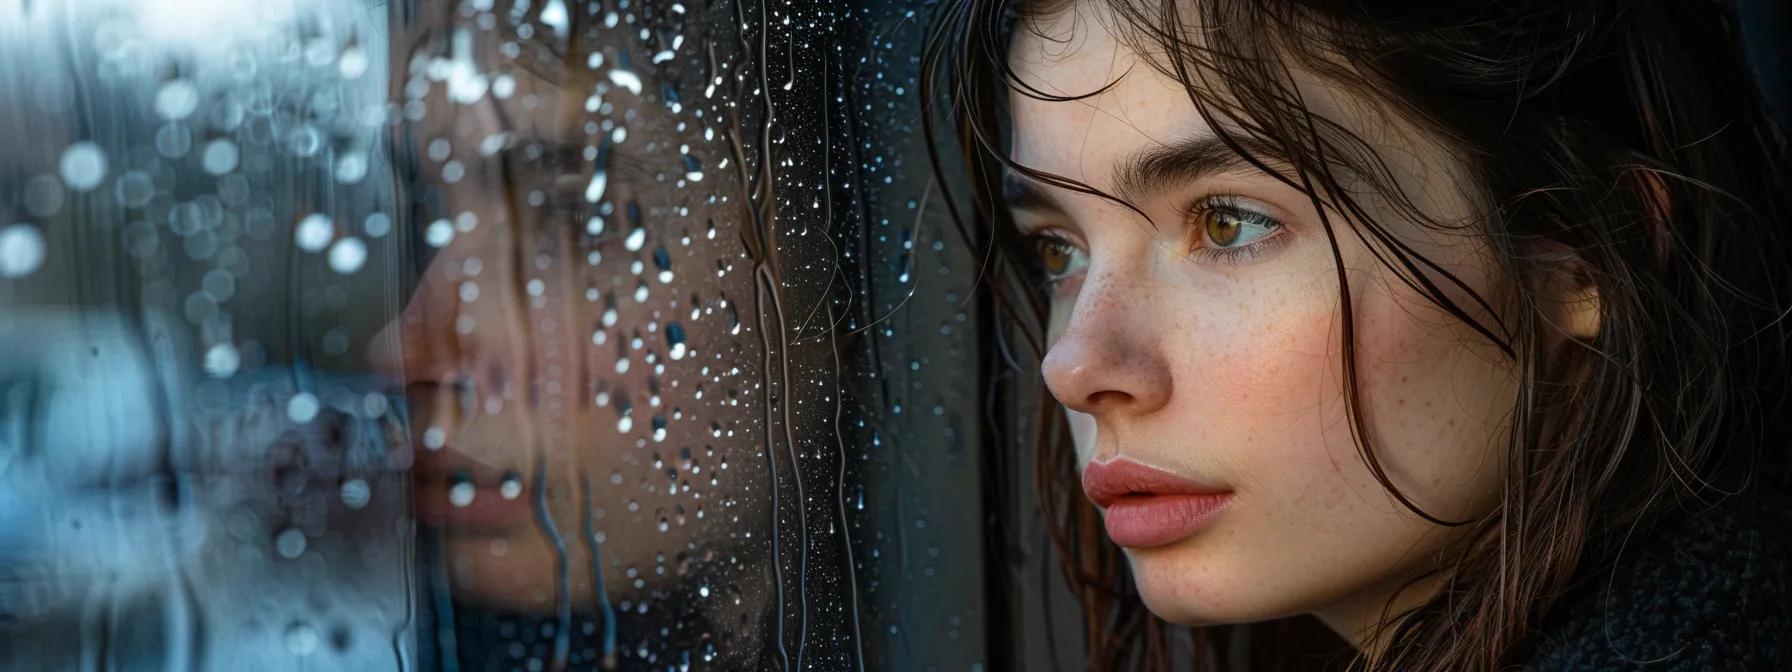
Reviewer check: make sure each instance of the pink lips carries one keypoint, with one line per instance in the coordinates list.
(1146, 507)
(432, 478)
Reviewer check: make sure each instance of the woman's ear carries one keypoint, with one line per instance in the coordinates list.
(1567, 297)
(1570, 298)
(1573, 303)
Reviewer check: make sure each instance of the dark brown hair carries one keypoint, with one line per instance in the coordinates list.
(1627, 139)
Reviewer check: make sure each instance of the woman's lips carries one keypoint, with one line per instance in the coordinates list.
(449, 490)
(1145, 507)
(1146, 521)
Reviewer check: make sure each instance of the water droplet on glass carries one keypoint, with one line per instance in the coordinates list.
(352, 64)
(314, 233)
(494, 143)
(439, 233)
(675, 340)
(355, 493)
(222, 360)
(626, 79)
(351, 168)
(186, 219)
(554, 15)
(461, 493)
(290, 543)
(177, 99)
(693, 170)
(434, 438)
(439, 149)
(301, 638)
(465, 85)
(320, 52)
(135, 189)
(43, 195)
(377, 225)
(83, 166)
(22, 251)
(511, 487)
(302, 407)
(174, 140)
(594, 191)
(348, 255)
(219, 157)
(304, 141)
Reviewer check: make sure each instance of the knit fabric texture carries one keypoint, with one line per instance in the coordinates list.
(1701, 590)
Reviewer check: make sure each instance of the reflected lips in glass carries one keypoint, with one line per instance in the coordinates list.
(1145, 507)
(452, 490)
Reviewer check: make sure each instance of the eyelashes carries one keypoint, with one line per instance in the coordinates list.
(1058, 258)
(1216, 229)
(1228, 229)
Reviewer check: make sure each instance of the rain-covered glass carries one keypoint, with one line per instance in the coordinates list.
(480, 335)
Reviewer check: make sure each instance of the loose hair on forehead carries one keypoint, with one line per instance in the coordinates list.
(1623, 144)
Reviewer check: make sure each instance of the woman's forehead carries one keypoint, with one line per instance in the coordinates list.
(1132, 106)
(1128, 103)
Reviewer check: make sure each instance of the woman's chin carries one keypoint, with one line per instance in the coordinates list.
(1180, 588)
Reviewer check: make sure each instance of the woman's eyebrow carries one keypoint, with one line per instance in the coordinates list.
(1021, 192)
(1150, 171)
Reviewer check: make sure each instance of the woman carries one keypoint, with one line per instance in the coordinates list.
(1455, 327)
(569, 467)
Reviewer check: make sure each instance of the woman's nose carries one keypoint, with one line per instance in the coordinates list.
(1109, 360)
(418, 346)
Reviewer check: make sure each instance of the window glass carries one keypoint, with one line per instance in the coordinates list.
(485, 335)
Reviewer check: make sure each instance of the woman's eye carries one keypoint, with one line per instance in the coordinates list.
(1059, 257)
(1225, 227)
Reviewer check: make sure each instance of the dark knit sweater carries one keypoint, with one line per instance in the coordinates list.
(1701, 590)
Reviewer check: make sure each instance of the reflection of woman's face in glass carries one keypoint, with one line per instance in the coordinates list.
(572, 325)
(1205, 343)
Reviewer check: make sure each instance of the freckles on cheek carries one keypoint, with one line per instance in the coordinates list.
(1283, 386)
(1274, 365)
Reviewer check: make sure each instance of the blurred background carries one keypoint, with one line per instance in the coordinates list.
(501, 335)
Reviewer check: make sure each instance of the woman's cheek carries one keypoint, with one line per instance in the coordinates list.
(1254, 393)
(1437, 394)
(1271, 368)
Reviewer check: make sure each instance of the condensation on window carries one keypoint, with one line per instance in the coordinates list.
(480, 335)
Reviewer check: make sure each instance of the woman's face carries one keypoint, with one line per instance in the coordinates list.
(1206, 341)
(570, 340)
